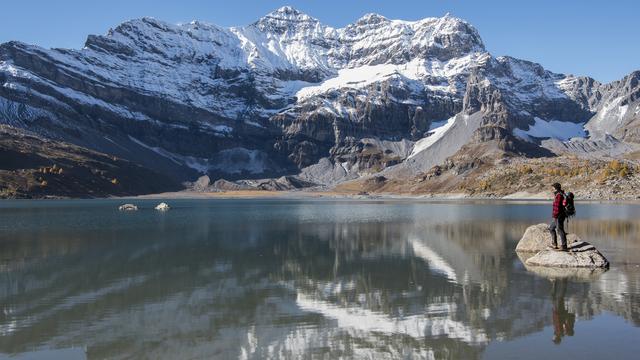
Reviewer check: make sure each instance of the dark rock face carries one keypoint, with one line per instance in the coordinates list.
(35, 167)
(191, 99)
(310, 132)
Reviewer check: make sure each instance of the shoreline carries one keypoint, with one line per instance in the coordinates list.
(264, 194)
(335, 195)
(328, 195)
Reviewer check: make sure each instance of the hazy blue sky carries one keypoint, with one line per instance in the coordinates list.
(595, 38)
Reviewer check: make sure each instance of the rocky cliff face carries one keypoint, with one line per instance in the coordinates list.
(288, 95)
(618, 109)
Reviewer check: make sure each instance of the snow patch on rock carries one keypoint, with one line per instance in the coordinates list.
(436, 132)
(608, 117)
(417, 69)
(561, 130)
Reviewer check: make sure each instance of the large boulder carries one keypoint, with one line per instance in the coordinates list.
(537, 238)
(581, 254)
(574, 273)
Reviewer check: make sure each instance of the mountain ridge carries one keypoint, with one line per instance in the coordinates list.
(287, 95)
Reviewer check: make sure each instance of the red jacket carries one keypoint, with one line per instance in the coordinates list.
(558, 205)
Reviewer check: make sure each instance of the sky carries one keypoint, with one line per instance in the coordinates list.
(593, 38)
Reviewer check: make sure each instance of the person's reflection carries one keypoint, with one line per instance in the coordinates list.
(563, 320)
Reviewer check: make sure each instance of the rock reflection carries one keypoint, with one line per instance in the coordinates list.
(575, 274)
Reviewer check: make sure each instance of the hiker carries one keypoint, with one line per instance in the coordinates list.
(559, 216)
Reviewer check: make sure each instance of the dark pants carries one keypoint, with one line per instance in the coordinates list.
(557, 226)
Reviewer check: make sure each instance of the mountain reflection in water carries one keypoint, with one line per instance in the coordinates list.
(289, 279)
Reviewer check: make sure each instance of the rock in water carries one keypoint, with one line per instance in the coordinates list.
(581, 254)
(537, 238)
(162, 207)
(127, 207)
(575, 273)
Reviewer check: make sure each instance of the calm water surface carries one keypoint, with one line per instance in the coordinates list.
(329, 279)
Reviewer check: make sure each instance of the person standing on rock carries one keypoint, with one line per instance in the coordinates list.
(559, 216)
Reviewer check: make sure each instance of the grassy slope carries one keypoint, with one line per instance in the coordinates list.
(486, 171)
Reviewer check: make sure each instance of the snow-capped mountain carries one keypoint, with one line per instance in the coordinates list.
(289, 95)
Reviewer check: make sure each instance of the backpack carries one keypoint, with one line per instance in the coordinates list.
(569, 207)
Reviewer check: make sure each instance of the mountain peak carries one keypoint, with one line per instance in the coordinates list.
(287, 10)
(285, 18)
(138, 26)
(457, 31)
(372, 18)
(287, 13)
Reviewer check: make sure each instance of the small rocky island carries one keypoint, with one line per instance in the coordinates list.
(127, 207)
(534, 249)
(162, 207)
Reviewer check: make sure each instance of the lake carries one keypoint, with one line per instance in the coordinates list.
(269, 278)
